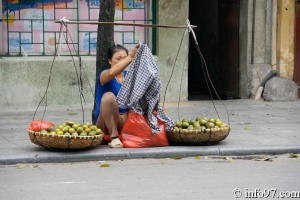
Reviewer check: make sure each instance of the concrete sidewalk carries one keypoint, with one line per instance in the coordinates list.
(258, 127)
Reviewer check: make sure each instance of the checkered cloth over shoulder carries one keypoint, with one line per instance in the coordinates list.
(141, 88)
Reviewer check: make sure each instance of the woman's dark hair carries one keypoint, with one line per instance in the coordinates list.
(114, 49)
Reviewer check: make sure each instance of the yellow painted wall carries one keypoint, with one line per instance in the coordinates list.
(285, 38)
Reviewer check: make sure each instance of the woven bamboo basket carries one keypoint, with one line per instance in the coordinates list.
(205, 137)
(63, 142)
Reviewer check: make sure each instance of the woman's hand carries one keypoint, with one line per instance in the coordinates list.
(118, 67)
(135, 49)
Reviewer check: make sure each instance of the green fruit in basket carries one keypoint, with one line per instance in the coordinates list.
(84, 126)
(61, 127)
(65, 129)
(98, 131)
(192, 121)
(92, 133)
(67, 134)
(59, 133)
(196, 125)
(88, 124)
(203, 122)
(87, 130)
(185, 120)
(71, 130)
(185, 124)
(212, 120)
(83, 134)
(52, 133)
(219, 123)
(79, 129)
(70, 123)
(93, 128)
(67, 126)
(75, 134)
(210, 125)
(51, 128)
(75, 126)
(178, 124)
(190, 127)
(44, 131)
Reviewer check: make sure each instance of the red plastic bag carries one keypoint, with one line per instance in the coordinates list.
(136, 133)
(38, 125)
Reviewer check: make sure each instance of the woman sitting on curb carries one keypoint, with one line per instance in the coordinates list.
(110, 117)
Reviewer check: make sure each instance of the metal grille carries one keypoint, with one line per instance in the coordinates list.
(28, 26)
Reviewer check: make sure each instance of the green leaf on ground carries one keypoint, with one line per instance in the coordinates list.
(21, 166)
(73, 113)
(197, 157)
(228, 159)
(105, 165)
(248, 128)
(177, 158)
(293, 155)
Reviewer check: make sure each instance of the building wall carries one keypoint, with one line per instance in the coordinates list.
(29, 27)
(173, 12)
(266, 38)
(24, 79)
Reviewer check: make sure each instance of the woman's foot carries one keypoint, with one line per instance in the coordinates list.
(115, 143)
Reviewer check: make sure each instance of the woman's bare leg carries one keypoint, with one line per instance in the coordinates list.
(108, 119)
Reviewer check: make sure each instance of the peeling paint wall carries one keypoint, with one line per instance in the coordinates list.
(286, 37)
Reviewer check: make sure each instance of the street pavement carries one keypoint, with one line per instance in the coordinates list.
(257, 127)
(203, 177)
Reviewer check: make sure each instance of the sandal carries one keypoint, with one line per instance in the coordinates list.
(115, 143)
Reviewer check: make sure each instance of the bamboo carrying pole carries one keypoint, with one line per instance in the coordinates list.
(120, 24)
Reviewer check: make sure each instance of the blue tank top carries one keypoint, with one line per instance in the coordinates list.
(111, 86)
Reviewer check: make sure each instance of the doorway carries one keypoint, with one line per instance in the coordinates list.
(217, 34)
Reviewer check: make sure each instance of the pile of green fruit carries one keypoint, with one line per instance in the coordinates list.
(201, 124)
(73, 129)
